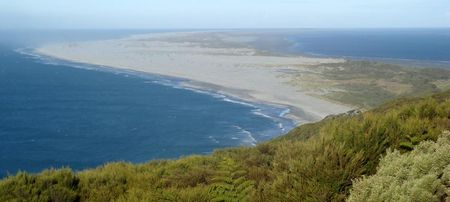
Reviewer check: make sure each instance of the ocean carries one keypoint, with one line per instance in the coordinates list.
(60, 114)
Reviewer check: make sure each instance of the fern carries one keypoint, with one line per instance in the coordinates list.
(230, 183)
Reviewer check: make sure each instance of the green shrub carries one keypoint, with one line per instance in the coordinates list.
(421, 175)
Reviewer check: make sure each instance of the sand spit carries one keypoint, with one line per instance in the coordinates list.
(209, 60)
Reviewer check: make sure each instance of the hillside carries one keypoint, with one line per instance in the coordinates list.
(314, 162)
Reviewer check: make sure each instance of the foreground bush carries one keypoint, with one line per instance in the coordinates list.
(314, 162)
(421, 175)
(50, 185)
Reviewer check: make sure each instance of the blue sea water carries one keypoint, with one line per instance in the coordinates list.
(55, 113)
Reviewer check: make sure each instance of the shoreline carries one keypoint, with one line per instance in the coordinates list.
(229, 95)
(233, 95)
(296, 115)
(254, 79)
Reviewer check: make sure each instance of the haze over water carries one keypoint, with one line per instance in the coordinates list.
(415, 44)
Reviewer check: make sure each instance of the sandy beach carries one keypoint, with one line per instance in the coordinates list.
(208, 60)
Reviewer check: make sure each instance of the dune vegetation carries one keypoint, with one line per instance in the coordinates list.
(369, 83)
(314, 162)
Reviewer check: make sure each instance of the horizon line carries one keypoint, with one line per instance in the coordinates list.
(238, 28)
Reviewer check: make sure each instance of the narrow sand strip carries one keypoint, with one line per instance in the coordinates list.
(238, 71)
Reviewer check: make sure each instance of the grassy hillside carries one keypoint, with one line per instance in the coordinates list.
(314, 162)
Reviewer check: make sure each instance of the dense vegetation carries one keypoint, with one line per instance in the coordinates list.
(314, 162)
(422, 175)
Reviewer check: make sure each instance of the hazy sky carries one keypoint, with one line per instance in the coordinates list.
(41, 14)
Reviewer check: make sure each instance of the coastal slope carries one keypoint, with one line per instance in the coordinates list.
(315, 162)
(214, 61)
